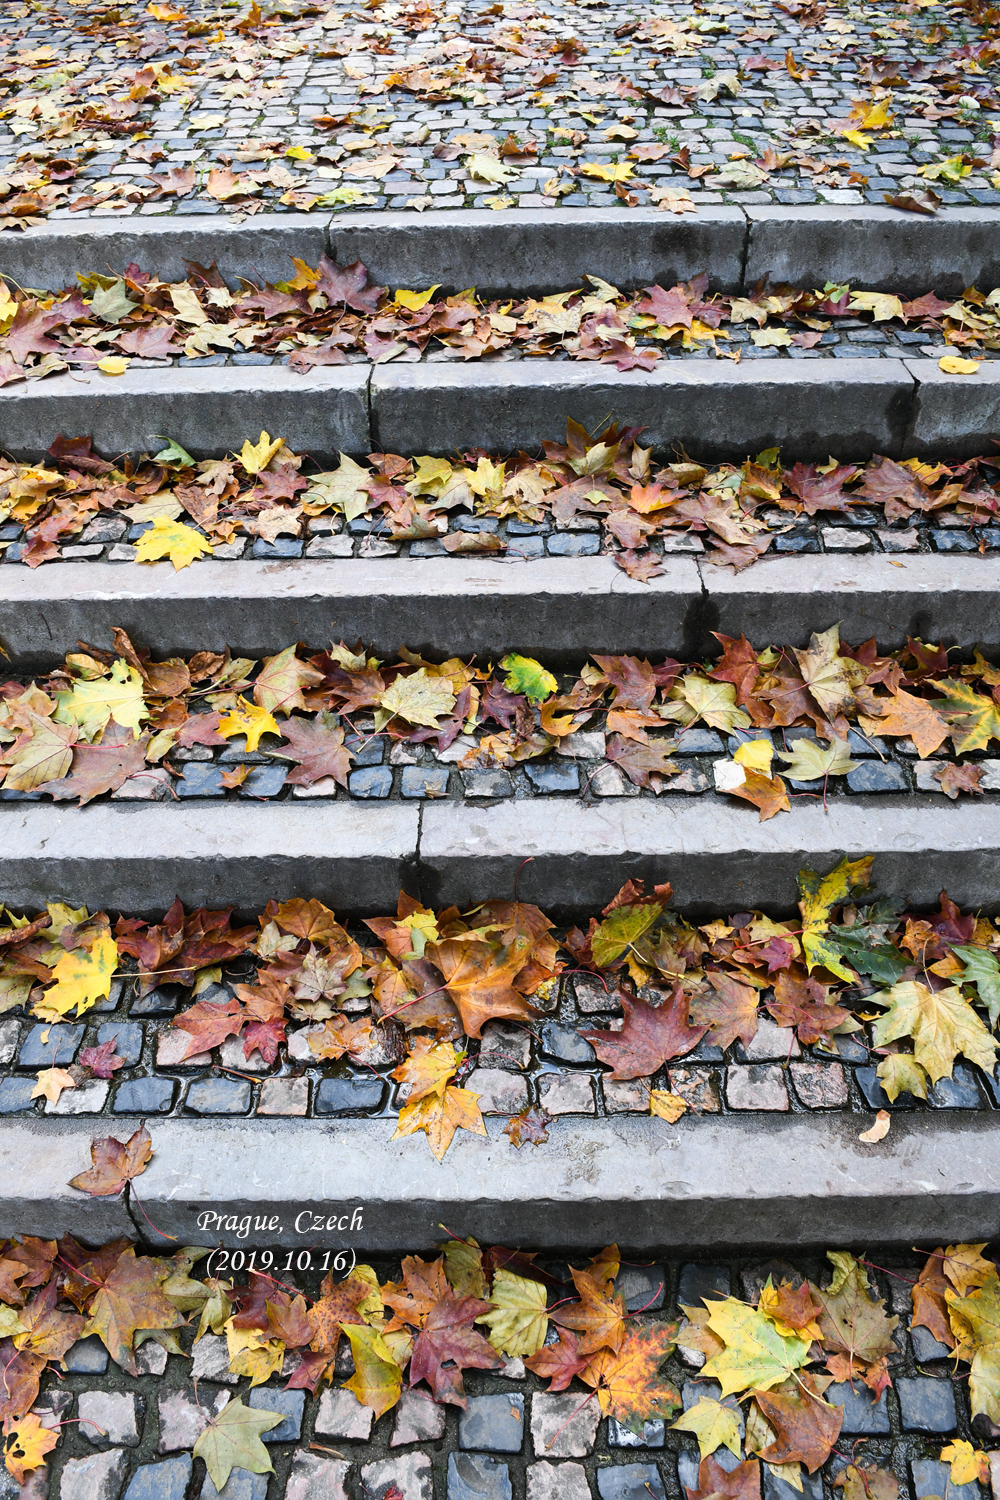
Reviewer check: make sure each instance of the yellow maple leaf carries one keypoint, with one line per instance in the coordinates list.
(968, 1464)
(377, 1380)
(93, 703)
(300, 153)
(440, 1115)
(165, 12)
(489, 168)
(419, 698)
(712, 1424)
(756, 755)
(25, 1445)
(51, 1082)
(182, 544)
(250, 1353)
(954, 364)
(247, 718)
(857, 139)
(112, 364)
(607, 172)
(82, 977)
(415, 300)
(257, 456)
(427, 1069)
(668, 1106)
(873, 116)
(518, 1319)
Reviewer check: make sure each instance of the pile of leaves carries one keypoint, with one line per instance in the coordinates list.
(412, 1001)
(474, 1309)
(188, 508)
(105, 717)
(324, 313)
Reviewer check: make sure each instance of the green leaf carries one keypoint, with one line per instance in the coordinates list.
(232, 1441)
(817, 895)
(809, 760)
(527, 676)
(941, 1023)
(173, 454)
(624, 926)
(756, 1356)
(112, 303)
(900, 1073)
(518, 1320)
(982, 970)
(884, 963)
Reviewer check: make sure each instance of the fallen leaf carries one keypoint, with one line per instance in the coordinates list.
(650, 1036)
(232, 1440)
(115, 1163)
(182, 544)
(879, 1130)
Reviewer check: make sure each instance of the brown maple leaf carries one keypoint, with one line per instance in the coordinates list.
(641, 566)
(424, 1283)
(116, 1163)
(930, 1309)
(558, 1363)
(730, 1013)
(767, 793)
(131, 1299)
(529, 1127)
(318, 746)
(629, 1385)
(479, 979)
(741, 1483)
(803, 1002)
(651, 1036)
(447, 1344)
(102, 1061)
(209, 1023)
(805, 1426)
(22, 1373)
(644, 765)
(955, 779)
(101, 768)
(906, 715)
(599, 1316)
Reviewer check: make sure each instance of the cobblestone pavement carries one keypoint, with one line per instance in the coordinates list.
(513, 1066)
(115, 94)
(133, 1437)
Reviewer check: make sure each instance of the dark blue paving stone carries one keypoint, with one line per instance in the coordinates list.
(241, 1485)
(137, 529)
(780, 1489)
(424, 781)
(704, 1052)
(264, 781)
(335, 1095)
(127, 1038)
(957, 1092)
(145, 1096)
(793, 543)
(430, 548)
(992, 1084)
(493, 1424)
(166, 1481)
(477, 523)
(482, 783)
(12, 796)
(875, 1095)
(163, 1001)
(553, 776)
(291, 1404)
(526, 528)
(202, 778)
(366, 749)
(578, 544)
(877, 776)
(861, 1413)
(472, 1477)
(374, 782)
(699, 742)
(933, 1478)
(15, 1095)
(236, 752)
(282, 546)
(851, 1050)
(926, 1346)
(927, 1405)
(523, 546)
(87, 1357)
(651, 1436)
(699, 1281)
(219, 1096)
(630, 1482)
(954, 541)
(990, 535)
(565, 1044)
(57, 1050)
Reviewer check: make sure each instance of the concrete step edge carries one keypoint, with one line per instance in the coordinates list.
(559, 609)
(708, 1183)
(356, 856)
(532, 251)
(713, 408)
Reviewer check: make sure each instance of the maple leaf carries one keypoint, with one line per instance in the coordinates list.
(22, 1370)
(802, 1003)
(419, 698)
(527, 676)
(117, 696)
(43, 752)
(130, 1299)
(428, 1069)
(44, 1330)
(101, 768)
(900, 1073)
(531, 1126)
(941, 1023)
(209, 1023)
(629, 1386)
(853, 1322)
(439, 1116)
(715, 702)
(599, 1316)
(377, 1380)
(968, 1464)
(973, 719)
(424, 1283)
(756, 1356)
(825, 674)
(730, 1013)
(667, 1106)
(447, 1344)
(279, 683)
(713, 1424)
(867, 1484)
(742, 1483)
(954, 779)
(791, 1309)
(642, 764)
(249, 719)
(930, 1309)
(767, 793)
(479, 979)
(817, 895)
(182, 544)
(318, 747)
(906, 715)
(26, 1443)
(82, 977)
(51, 1082)
(623, 925)
(805, 1426)
(518, 1320)
(809, 760)
(232, 1440)
(115, 1163)
(649, 1038)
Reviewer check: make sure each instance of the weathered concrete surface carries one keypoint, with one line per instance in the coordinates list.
(875, 248)
(49, 255)
(953, 414)
(935, 597)
(559, 608)
(528, 252)
(716, 1184)
(210, 410)
(717, 855)
(713, 408)
(127, 857)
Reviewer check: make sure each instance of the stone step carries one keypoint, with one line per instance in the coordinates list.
(541, 250)
(556, 608)
(717, 1183)
(355, 856)
(713, 408)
